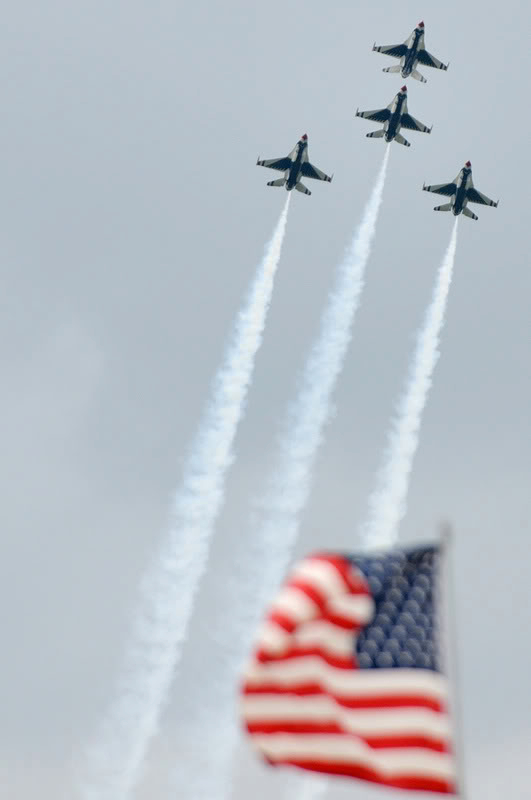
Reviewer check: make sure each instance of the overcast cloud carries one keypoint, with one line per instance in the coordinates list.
(132, 220)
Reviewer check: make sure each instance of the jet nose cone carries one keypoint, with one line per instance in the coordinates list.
(468, 164)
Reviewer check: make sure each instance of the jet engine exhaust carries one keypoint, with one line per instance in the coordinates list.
(274, 525)
(170, 586)
(388, 501)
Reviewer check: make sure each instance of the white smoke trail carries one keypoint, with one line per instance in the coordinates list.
(272, 536)
(387, 503)
(170, 587)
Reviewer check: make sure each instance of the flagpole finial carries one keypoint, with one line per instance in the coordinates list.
(446, 533)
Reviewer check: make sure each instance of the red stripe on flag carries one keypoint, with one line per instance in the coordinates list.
(374, 701)
(377, 742)
(289, 624)
(294, 652)
(322, 600)
(311, 591)
(416, 782)
(281, 619)
(426, 742)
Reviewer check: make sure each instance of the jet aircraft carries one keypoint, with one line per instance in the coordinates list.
(394, 117)
(462, 191)
(294, 166)
(410, 53)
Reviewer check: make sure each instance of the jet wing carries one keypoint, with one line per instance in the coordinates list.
(380, 115)
(281, 164)
(447, 189)
(473, 196)
(394, 50)
(309, 171)
(428, 60)
(407, 121)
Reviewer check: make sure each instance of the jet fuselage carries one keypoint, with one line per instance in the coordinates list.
(294, 172)
(392, 126)
(414, 42)
(460, 200)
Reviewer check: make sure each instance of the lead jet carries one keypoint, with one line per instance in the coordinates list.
(410, 53)
(462, 191)
(295, 165)
(394, 117)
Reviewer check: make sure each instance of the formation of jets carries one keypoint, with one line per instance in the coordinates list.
(394, 117)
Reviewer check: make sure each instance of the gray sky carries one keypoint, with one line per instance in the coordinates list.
(132, 220)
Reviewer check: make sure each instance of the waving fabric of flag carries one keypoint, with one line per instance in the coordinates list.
(345, 677)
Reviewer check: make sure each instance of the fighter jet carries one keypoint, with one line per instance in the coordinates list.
(410, 53)
(394, 117)
(462, 191)
(294, 166)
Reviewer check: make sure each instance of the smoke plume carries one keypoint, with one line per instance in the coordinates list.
(387, 503)
(170, 586)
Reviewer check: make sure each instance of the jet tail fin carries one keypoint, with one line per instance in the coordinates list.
(468, 213)
(396, 68)
(279, 182)
(376, 134)
(418, 77)
(445, 207)
(400, 139)
(300, 187)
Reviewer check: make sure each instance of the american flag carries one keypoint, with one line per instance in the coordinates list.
(345, 677)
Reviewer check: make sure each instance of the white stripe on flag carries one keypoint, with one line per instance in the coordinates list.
(324, 634)
(295, 604)
(322, 574)
(274, 639)
(364, 722)
(351, 683)
(359, 608)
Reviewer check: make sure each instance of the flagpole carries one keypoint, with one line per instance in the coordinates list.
(451, 664)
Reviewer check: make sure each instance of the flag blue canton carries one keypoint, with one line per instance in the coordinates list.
(403, 631)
